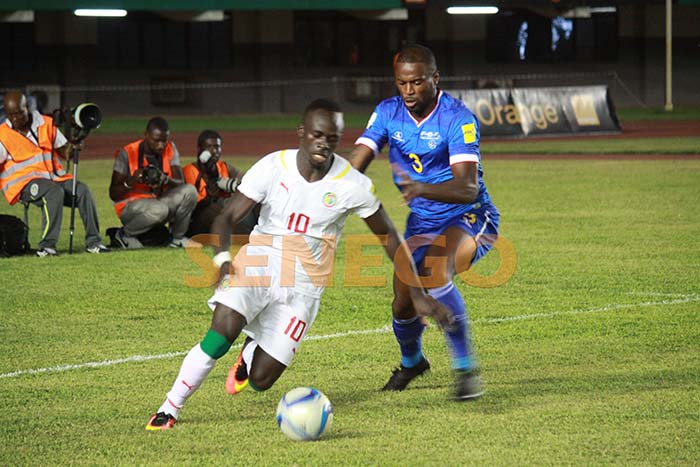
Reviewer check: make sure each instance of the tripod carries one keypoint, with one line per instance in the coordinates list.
(76, 157)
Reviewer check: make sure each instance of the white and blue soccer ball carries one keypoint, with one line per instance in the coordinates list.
(304, 414)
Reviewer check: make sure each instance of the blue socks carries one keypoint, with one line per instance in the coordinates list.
(408, 333)
(459, 336)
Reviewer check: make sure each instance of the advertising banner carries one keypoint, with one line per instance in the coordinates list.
(541, 111)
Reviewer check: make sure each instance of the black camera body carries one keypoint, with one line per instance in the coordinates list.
(77, 122)
(151, 175)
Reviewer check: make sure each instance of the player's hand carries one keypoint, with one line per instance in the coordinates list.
(410, 188)
(428, 306)
(225, 273)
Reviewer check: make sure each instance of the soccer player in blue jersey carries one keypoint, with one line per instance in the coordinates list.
(433, 143)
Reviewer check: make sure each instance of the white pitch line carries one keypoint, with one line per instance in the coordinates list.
(145, 358)
(603, 309)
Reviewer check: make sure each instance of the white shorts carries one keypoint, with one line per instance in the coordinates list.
(277, 318)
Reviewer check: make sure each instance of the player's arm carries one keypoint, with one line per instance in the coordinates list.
(405, 269)
(234, 211)
(360, 157)
(371, 142)
(463, 188)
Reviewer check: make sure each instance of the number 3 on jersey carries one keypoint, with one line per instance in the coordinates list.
(417, 165)
(298, 222)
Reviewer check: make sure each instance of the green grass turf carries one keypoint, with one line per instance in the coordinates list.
(590, 353)
(632, 146)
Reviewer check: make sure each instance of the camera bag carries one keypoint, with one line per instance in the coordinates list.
(14, 236)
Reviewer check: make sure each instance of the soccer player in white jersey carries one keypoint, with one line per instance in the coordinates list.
(277, 279)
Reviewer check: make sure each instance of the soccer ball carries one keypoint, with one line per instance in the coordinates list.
(304, 414)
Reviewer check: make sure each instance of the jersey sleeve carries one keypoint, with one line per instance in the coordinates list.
(375, 135)
(366, 202)
(464, 139)
(258, 179)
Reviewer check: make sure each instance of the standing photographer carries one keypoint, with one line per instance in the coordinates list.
(148, 189)
(215, 181)
(30, 171)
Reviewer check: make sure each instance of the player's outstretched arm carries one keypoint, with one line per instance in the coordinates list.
(405, 269)
(236, 209)
(360, 157)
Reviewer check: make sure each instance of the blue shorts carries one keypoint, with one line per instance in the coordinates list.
(481, 224)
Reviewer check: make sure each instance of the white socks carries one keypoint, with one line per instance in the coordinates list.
(195, 368)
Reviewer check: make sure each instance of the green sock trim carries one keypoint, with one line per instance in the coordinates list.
(254, 387)
(215, 345)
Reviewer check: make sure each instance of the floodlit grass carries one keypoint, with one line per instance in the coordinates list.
(632, 146)
(590, 353)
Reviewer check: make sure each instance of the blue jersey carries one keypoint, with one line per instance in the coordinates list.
(426, 150)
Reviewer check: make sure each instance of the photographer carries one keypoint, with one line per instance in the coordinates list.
(148, 189)
(30, 171)
(215, 181)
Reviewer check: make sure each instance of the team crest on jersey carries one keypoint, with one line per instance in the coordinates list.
(433, 138)
(329, 199)
(398, 136)
(34, 190)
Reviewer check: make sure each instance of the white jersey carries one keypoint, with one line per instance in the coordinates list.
(300, 222)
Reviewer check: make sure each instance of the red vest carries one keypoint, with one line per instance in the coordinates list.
(28, 161)
(141, 190)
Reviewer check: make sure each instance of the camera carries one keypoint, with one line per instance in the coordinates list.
(77, 122)
(151, 175)
(206, 159)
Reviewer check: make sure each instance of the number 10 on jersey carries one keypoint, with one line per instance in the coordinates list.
(298, 222)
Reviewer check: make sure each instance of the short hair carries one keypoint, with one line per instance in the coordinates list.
(321, 104)
(207, 134)
(416, 53)
(157, 123)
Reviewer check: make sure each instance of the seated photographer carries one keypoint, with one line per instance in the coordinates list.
(31, 172)
(215, 181)
(148, 189)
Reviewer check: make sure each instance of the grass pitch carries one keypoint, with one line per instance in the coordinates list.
(590, 352)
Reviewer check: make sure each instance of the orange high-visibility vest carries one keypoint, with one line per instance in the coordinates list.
(191, 174)
(141, 190)
(28, 161)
